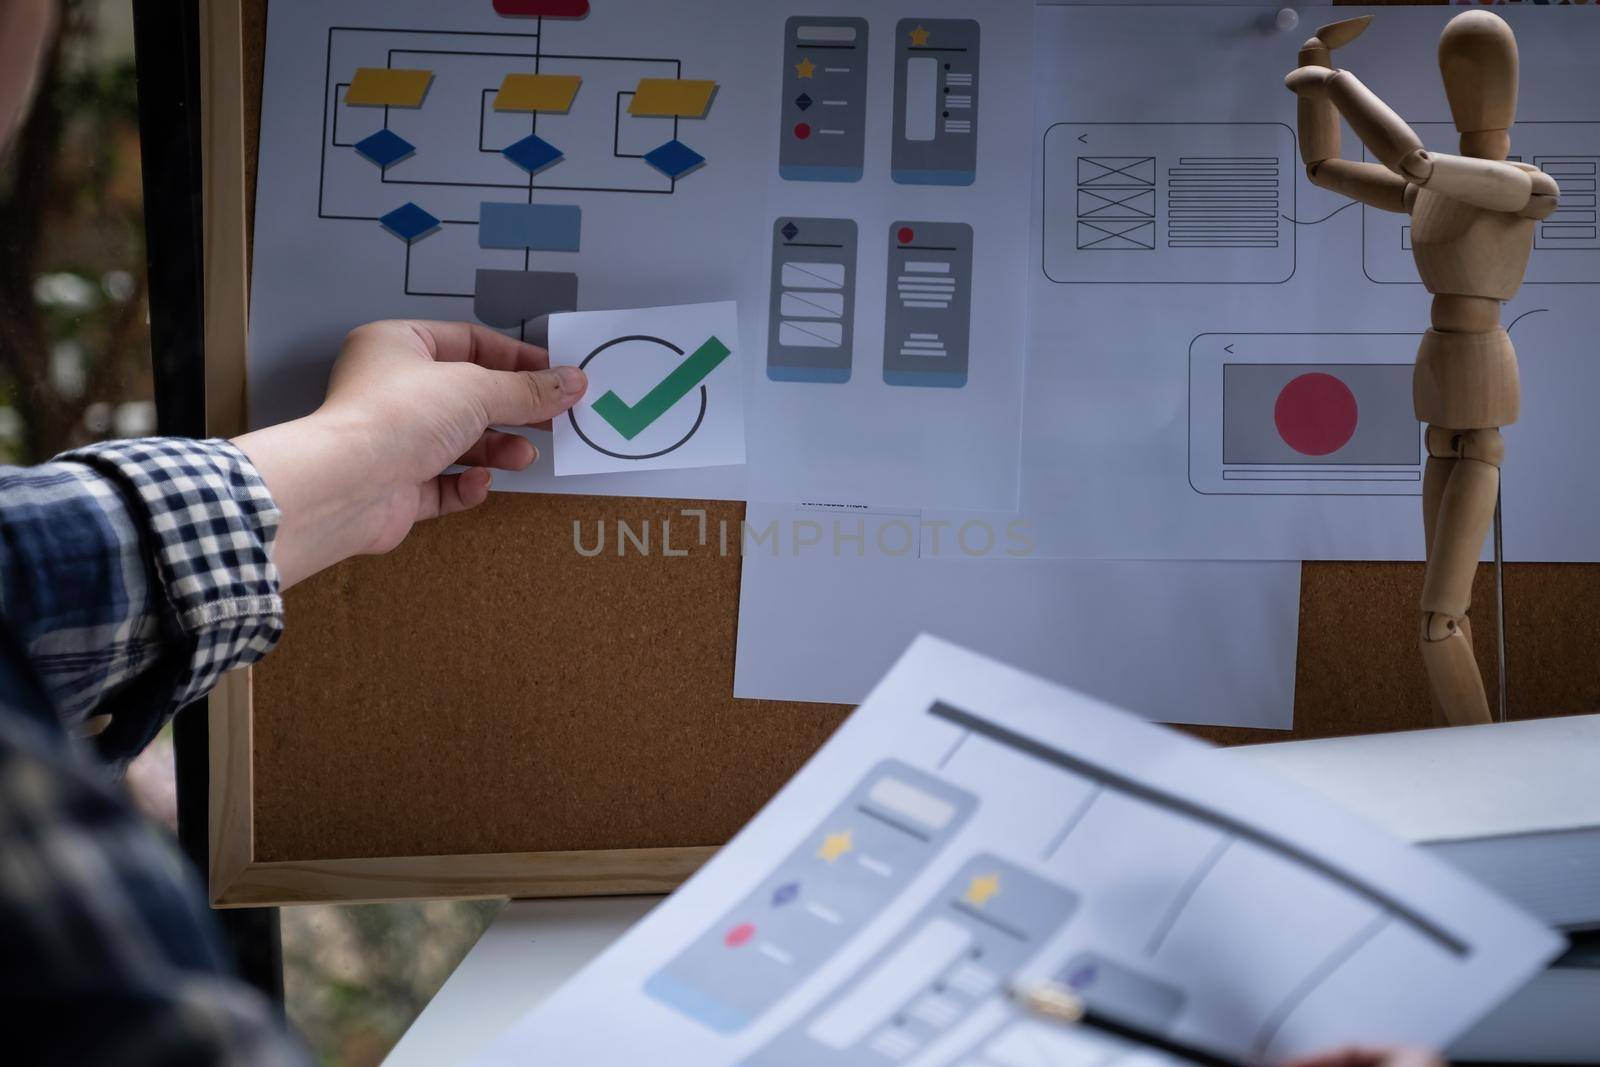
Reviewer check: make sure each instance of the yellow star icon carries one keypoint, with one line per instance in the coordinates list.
(805, 68)
(919, 36)
(981, 888)
(835, 845)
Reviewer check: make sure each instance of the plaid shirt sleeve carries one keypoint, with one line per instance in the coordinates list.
(135, 573)
(131, 575)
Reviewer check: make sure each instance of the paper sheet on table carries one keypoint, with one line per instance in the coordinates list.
(972, 828)
(832, 597)
(659, 228)
(1192, 292)
(664, 389)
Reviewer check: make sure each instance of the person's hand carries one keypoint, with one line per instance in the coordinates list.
(420, 396)
(406, 400)
(1355, 1056)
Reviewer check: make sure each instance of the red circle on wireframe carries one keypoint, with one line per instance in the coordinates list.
(906, 235)
(1316, 414)
(739, 935)
(550, 9)
(802, 130)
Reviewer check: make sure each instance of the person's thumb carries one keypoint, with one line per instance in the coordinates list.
(525, 397)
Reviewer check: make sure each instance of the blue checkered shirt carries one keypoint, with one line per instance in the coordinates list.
(132, 575)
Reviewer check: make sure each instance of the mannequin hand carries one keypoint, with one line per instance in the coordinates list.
(405, 401)
(1338, 34)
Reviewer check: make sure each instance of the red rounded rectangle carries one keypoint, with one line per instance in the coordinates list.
(552, 9)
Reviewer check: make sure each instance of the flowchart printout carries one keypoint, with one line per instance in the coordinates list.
(854, 182)
(1221, 353)
(972, 830)
(830, 597)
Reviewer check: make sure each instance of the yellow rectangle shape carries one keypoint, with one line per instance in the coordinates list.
(388, 87)
(537, 92)
(685, 98)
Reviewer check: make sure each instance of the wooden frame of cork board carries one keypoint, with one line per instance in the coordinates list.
(485, 712)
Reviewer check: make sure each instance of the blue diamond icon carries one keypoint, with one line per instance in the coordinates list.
(674, 159)
(533, 153)
(385, 148)
(409, 222)
(803, 101)
(790, 230)
(785, 894)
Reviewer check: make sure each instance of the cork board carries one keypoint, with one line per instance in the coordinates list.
(488, 712)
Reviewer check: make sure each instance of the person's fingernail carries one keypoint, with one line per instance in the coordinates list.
(573, 380)
(535, 457)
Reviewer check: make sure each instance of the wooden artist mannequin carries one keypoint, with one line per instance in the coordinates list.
(1472, 225)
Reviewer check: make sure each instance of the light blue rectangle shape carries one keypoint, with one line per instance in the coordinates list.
(695, 1003)
(540, 227)
(797, 173)
(780, 373)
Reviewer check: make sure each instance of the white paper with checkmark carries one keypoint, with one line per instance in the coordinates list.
(664, 389)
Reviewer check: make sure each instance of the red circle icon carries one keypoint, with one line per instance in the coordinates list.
(802, 130)
(739, 935)
(906, 235)
(1316, 414)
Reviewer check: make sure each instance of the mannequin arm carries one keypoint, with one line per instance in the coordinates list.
(1319, 126)
(1370, 183)
(1487, 183)
(1517, 189)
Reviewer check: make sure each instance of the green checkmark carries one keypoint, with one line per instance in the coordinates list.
(630, 422)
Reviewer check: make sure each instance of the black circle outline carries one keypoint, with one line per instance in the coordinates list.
(573, 418)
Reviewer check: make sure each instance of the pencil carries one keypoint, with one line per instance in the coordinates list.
(1062, 1005)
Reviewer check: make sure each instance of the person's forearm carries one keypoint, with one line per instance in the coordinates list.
(314, 468)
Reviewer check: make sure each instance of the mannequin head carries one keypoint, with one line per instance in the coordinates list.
(25, 27)
(1478, 58)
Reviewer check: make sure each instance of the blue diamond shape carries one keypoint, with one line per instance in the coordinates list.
(408, 222)
(674, 159)
(385, 148)
(785, 894)
(533, 153)
(790, 230)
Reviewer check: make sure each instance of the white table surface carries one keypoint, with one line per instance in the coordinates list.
(1421, 786)
(530, 949)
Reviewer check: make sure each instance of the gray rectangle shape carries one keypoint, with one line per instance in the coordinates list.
(509, 298)
(1386, 434)
(1006, 915)
(822, 127)
(928, 304)
(936, 100)
(1122, 993)
(813, 265)
(541, 227)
